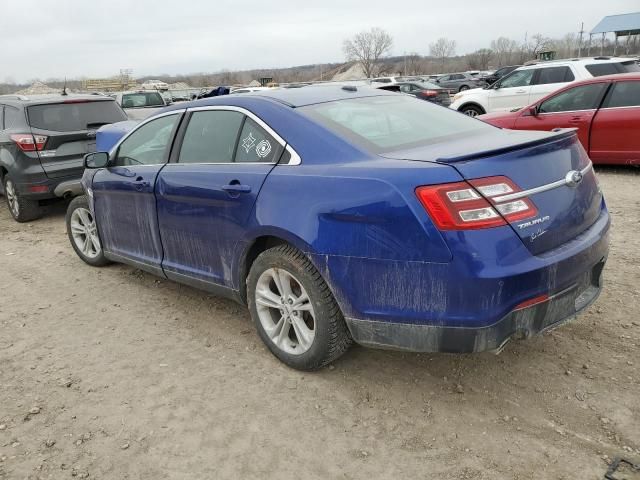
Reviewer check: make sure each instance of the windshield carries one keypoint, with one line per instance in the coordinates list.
(142, 99)
(74, 115)
(383, 124)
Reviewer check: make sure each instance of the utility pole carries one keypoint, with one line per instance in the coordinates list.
(405, 64)
(581, 32)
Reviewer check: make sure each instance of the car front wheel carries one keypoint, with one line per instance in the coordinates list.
(83, 232)
(472, 110)
(294, 311)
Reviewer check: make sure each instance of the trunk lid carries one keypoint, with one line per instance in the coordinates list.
(532, 160)
(70, 127)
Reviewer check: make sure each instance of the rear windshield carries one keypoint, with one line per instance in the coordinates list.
(142, 99)
(599, 69)
(72, 117)
(384, 124)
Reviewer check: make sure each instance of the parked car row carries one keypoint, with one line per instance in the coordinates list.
(605, 110)
(530, 83)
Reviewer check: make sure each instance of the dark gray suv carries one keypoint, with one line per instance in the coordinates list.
(43, 139)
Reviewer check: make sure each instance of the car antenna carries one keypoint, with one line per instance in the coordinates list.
(64, 88)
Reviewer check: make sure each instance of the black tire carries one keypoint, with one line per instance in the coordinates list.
(22, 209)
(99, 259)
(332, 336)
(472, 110)
(463, 88)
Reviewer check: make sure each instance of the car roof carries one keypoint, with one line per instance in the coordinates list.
(50, 98)
(574, 61)
(297, 97)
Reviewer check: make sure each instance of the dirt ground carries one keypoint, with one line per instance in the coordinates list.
(115, 374)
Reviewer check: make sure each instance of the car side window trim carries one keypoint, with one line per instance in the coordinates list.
(294, 157)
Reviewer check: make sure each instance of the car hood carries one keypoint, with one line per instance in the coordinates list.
(471, 91)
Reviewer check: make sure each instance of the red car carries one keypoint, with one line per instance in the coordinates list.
(605, 110)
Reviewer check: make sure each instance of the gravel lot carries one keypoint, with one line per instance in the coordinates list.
(114, 374)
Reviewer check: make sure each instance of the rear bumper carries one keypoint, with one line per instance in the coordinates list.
(561, 307)
(49, 188)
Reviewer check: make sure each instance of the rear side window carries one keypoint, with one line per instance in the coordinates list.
(142, 99)
(256, 145)
(211, 137)
(74, 116)
(1, 117)
(599, 69)
(584, 97)
(555, 75)
(384, 124)
(623, 94)
(12, 117)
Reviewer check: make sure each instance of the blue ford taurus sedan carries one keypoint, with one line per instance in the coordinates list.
(342, 213)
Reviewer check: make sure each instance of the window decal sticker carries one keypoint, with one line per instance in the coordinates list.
(263, 149)
(248, 142)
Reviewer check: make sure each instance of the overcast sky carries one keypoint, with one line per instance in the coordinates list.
(80, 38)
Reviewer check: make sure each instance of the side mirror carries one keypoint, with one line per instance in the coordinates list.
(533, 111)
(96, 160)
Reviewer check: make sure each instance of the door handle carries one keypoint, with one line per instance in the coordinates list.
(140, 184)
(236, 188)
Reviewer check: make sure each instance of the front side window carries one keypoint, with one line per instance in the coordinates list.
(584, 97)
(519, 78)
(211, 137)
(623, 94)
(149, 144)
(385, 124)
(256, 145)
(555, 75)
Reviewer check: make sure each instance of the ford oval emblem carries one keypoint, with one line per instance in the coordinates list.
(573, 178)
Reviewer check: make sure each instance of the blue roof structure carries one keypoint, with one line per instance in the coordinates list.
(626, 24)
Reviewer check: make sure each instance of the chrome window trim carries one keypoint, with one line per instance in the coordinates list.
(540, 189)
(144, 122)
(295, 158)
(568, 111)
(625, 107)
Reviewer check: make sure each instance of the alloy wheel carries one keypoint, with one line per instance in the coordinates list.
(85, 232)
(12, 198)
(285, 311)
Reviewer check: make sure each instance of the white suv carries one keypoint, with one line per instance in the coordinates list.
(527, 84)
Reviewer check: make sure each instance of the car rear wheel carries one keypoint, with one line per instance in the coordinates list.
(471, 110)
(21, 209)
(294, 311)
(83, 232)
(463, 88)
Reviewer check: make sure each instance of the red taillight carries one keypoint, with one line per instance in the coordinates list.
(29, 143)
(38, 188)
(430, 93)
(470, 206)
(532, 301)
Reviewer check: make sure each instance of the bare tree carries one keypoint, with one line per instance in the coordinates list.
(503, 48)
(479, 60)
(533, 47)
(443, 48)
(413, 64)
(368, 48)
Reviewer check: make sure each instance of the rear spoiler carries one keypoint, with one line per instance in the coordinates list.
(556, 135)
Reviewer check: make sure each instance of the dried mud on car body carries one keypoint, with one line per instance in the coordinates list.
(113, 373)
